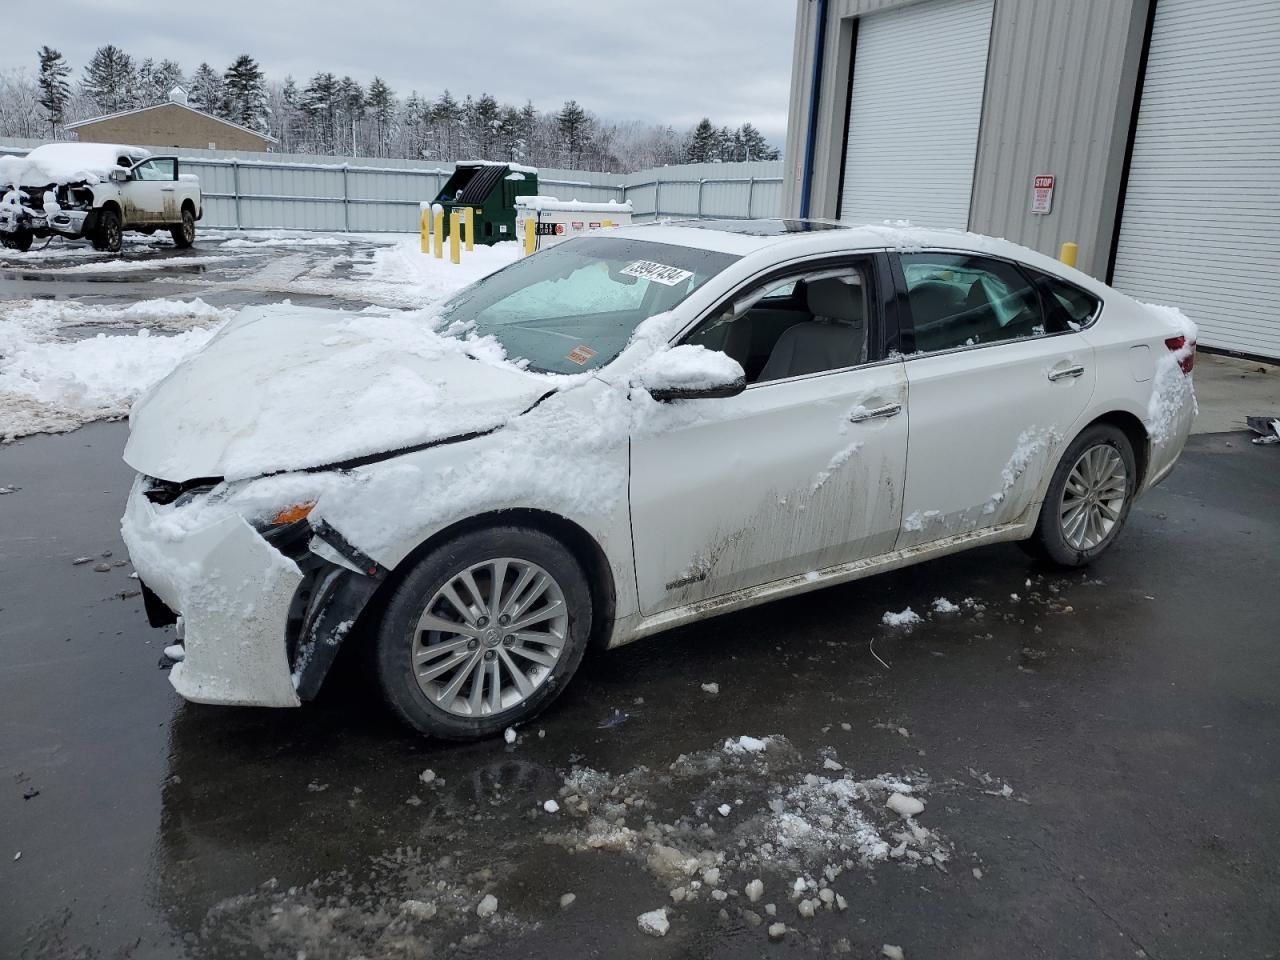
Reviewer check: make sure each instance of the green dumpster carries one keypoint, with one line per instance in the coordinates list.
(490, 189)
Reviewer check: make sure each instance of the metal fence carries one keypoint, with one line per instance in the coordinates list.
(296, 192)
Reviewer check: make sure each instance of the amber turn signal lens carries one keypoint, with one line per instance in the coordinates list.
(298, 511)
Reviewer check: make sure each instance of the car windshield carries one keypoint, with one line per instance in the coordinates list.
(574, 306)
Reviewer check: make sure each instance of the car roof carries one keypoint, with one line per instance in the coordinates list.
(784, 237)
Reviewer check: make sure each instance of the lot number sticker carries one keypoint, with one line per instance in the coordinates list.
(657, 272)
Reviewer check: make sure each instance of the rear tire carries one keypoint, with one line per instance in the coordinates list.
(458, 673)
(184, 234)
(1088, 499)
(110, 233)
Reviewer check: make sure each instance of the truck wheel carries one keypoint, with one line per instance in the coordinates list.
(110, 235)
(184, 235)
(20, 240)
(483, 633)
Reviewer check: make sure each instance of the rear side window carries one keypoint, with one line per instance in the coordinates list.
(958, 300)
(1078, 306)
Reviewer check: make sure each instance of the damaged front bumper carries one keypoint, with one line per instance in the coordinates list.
(64, 222)
(263, 618)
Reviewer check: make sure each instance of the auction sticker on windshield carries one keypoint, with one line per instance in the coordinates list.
(657, 272)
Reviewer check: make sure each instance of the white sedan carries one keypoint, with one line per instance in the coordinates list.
(624, 433)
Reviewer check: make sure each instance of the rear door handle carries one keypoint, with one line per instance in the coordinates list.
(1065, 373)
(876, 413)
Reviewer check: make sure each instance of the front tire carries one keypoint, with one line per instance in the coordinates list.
(484, 632)
(19, 240)
(184, 234)
(1088, 499)
(110, 232)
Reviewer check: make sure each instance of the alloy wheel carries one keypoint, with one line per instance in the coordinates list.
(1093, 497)
(490, 637)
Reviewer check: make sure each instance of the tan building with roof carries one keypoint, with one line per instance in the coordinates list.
(172, 124)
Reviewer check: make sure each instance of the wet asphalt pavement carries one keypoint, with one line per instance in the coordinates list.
(1132, 711)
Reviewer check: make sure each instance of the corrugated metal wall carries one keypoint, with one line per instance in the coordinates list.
(1060, 84)
(302, 192)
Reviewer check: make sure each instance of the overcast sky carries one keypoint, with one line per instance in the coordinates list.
(673, 61)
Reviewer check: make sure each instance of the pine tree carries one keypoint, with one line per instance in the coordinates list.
(486, 118)
(54, 89)
(574, 125)
(753, 145)
(703, 142)
(246, 93)
(110, 79)
(320, 104)
(207, 92)
(447, 116)
(351, 104)
(382, 104)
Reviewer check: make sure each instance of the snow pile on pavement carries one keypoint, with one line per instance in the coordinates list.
(257, 244)
(428, 280)
(51, 384)
(132, 266)
(793, 829)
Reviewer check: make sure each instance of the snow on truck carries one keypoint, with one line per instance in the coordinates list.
(95, 191)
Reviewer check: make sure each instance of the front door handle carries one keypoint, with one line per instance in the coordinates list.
(1065, 373)
(876, 413)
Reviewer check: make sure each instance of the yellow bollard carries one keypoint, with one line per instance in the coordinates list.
(1068, 253)
(530, 235)
(455, 222)
(426, 229)
(471, 228)
(438, 233)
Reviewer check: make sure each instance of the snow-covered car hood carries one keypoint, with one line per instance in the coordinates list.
(291, 388)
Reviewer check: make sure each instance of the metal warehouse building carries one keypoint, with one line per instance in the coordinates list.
(1158, 122)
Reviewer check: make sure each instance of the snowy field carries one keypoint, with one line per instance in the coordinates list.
(67, 362)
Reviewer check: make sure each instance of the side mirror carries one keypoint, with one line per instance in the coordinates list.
(119, 174)
(690, 372)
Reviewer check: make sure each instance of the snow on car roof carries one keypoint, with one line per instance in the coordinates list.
(67, 163)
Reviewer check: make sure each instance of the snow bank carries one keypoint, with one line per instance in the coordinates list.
(431, 281)
(539, 203)
(50, 384)
(66, 163)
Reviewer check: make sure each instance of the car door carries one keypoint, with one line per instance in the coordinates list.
(998, 378)
(150, 194)
(803, 469)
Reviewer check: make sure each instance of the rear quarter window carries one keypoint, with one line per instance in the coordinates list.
(1079, 305)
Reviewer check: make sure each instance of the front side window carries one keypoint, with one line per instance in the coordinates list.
(795, 325)
(155, 170)
(574, 306)
(958, 300)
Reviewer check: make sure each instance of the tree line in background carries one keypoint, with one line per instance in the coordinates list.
(339, 116)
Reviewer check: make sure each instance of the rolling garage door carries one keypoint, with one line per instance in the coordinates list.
(914, 112)
(1201, 222)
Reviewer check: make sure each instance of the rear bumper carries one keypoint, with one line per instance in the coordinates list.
(233, 591)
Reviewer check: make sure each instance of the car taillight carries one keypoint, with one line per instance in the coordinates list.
(1176, 344)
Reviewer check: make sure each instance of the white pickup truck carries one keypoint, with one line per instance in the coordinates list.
(96, 191)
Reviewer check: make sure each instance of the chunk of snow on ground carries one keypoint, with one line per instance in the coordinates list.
(777, 931)
(746, 745)
(829, 764)
(905, 806)
(711, 688)
(487, 906)
(654, 923)
(551, 806)
(427, 776)
(812, 576)
(943, 605)
(724, 809)
(892, 952)
(754, 890)
(906, 618)
(509, 735)
(175, 652)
